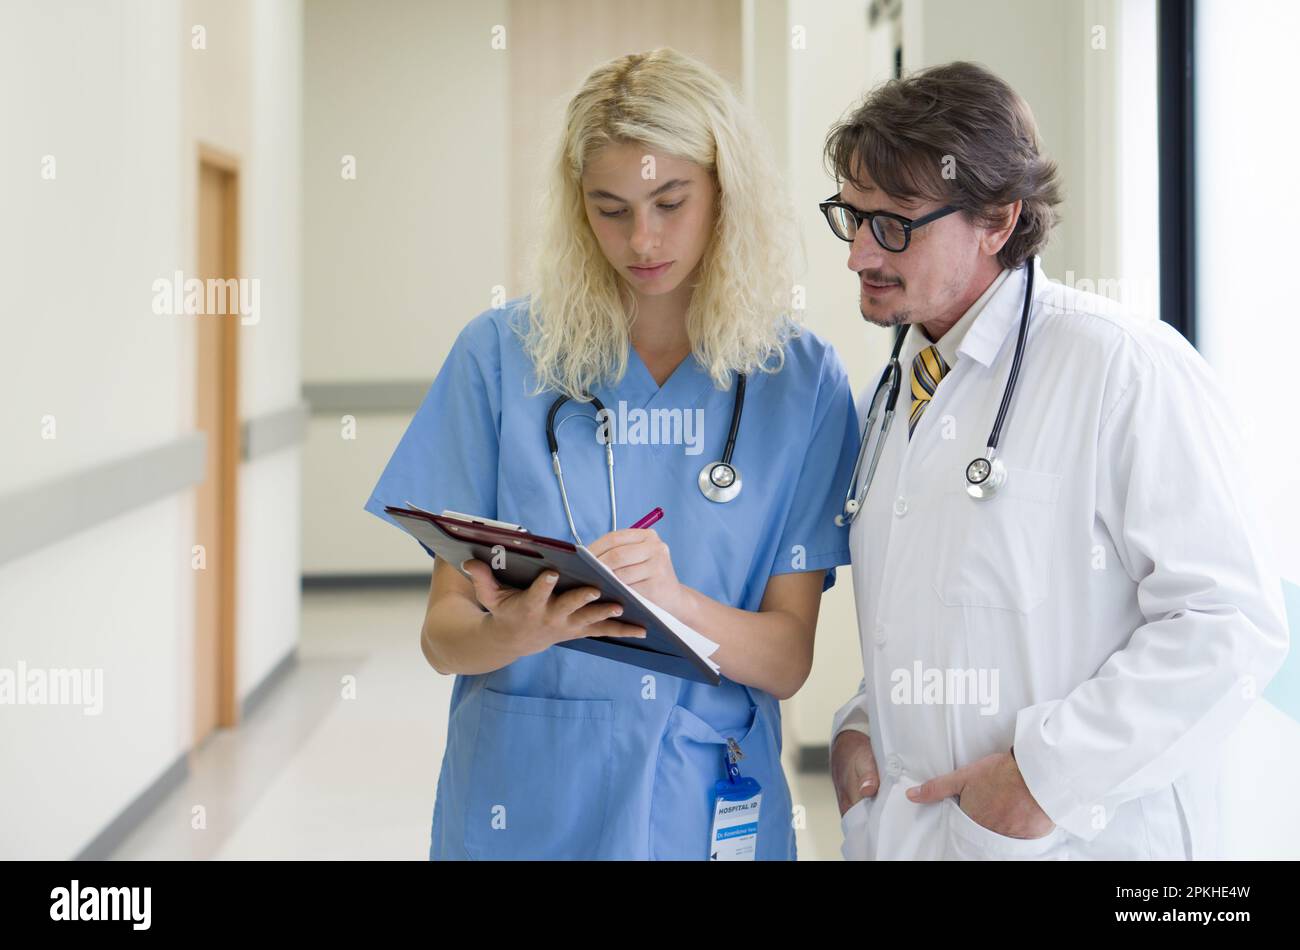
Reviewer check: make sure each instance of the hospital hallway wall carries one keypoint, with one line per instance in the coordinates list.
(110, 109)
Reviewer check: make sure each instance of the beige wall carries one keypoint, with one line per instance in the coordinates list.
(398, 260)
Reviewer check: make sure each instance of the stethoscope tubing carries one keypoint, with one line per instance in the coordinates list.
(552, 443)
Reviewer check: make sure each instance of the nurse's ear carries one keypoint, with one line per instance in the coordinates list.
(993, 239)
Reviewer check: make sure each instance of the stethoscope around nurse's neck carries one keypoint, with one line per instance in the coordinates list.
(718, 481)
(985, 475)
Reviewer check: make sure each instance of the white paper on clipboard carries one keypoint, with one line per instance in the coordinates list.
(698, 643)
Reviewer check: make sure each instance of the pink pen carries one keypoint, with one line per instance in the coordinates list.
(649, 519)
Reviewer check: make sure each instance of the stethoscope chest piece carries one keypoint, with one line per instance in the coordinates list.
(984, 477)
(720, 481)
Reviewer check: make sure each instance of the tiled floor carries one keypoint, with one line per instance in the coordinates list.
(321, 771)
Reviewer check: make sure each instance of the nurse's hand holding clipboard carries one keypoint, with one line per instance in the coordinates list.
(528, 621)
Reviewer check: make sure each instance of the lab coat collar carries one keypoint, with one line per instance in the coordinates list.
(1000, 316)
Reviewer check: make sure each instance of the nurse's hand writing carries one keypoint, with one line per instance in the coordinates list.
(853, 768)
(640, 559)
(993, 793)
(529, 621)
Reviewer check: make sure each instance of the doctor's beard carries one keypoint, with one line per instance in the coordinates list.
(897, 318)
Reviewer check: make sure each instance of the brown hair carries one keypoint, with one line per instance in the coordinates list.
(954, 133)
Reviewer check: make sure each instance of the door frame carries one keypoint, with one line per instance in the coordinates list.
(228, 438)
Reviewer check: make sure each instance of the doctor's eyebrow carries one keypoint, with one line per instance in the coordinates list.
(666, 186)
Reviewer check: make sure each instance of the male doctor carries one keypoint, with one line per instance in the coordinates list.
(1049, 672)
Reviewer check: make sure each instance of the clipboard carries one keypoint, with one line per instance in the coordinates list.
(670, 646)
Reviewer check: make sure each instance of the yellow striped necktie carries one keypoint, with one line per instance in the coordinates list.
(928, 369)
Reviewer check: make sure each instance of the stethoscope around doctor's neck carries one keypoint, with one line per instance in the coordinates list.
(984, 475)
(719, 481)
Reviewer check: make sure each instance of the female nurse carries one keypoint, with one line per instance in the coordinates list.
(661, 276)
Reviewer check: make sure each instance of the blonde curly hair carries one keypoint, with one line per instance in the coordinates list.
(577, 331)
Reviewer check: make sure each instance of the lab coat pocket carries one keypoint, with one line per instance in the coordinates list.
(968, 840)
(690, 762)
(539, 782)
(855, 826)
(998, 552)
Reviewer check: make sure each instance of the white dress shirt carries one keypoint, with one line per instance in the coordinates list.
(1109, 612)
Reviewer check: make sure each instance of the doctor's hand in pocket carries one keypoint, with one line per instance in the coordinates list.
(641, 560)
(529, 621)
(993, 793)
(853, 768)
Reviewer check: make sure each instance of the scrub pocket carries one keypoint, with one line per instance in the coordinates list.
(998, 551)
(690, 762)
(968, 840)
(539, 785)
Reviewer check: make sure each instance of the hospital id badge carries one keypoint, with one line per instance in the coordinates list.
(736, 803)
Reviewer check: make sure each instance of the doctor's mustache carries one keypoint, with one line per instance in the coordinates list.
(878, 277)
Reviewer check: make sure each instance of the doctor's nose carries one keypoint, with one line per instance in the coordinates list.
(865, 252)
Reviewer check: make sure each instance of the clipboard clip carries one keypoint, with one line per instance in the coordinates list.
(475, 519)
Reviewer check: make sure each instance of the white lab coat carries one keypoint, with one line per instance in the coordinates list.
(1116, 585)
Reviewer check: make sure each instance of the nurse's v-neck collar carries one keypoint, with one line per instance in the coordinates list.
(683, 387)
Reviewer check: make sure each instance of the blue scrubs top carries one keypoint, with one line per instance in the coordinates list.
(566, 755)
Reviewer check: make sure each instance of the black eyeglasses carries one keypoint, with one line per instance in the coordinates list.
(892, 231)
